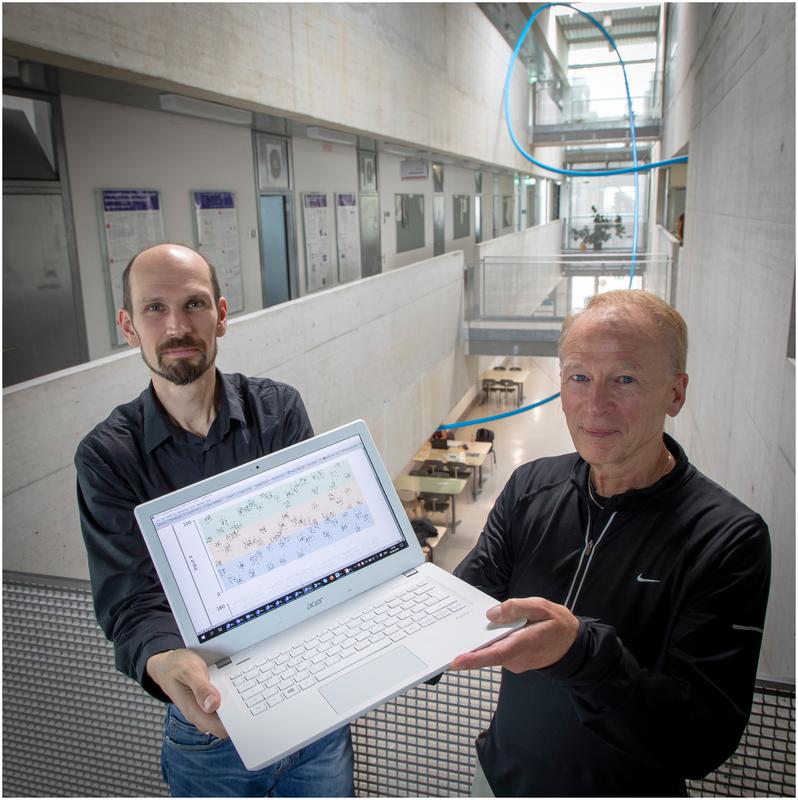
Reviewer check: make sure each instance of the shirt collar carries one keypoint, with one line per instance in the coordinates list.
(157, 427)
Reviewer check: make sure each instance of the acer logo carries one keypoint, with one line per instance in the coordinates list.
(314, 603)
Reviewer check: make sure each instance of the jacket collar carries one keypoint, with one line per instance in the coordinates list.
(635, 498)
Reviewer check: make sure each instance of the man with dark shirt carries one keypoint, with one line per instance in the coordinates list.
(192, 422)
(644, 583)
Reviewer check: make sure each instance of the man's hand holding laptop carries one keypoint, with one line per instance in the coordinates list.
(183, 676)
(548, 635)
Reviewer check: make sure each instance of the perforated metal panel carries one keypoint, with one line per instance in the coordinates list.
(74, 726)
(422, 743)
(764, 763)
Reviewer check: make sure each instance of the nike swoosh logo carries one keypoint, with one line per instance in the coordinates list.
(641, 579)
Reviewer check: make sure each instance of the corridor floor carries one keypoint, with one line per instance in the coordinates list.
(519, 438)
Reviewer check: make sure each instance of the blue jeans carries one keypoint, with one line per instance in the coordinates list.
(197, 764)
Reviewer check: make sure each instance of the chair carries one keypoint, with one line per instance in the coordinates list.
(506, 386)
(434, 502)
(457, 471)
(515, 369)
(501, 369)
(488, 385)
(487, 435)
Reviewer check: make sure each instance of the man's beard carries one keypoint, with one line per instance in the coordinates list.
(181, 371)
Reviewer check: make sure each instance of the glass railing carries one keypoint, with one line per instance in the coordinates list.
(578, 107)
(582, 234)
(589, 110)
(544, 289)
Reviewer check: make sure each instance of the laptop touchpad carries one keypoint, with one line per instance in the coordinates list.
(374, 678)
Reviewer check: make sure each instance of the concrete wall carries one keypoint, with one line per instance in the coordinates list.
(427, 74)
(388, 349)
(731, 100)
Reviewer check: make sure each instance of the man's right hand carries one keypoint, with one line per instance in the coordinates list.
(183, 676)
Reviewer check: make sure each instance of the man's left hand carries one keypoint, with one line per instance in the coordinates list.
(548, 635)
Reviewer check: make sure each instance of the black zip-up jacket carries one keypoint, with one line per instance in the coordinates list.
(670, 584)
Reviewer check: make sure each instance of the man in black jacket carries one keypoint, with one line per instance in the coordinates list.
(192, 422)
(644, 583)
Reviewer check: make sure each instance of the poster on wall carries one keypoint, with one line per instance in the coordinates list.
(347, 226)
(316, 222)
(413, 169)
(130, 220)
(216, 236)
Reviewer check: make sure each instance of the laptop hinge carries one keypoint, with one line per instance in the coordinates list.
(410, 572)
(223, 662)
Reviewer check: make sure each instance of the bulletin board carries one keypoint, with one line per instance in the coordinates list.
(347, 230)
(409, 221)
(316, 223)
(217, 238)
(130, 220)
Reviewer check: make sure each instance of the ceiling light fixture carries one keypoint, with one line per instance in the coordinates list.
(398, 150)
(192, 107)
(327, 135)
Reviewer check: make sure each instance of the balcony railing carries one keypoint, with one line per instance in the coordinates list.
(578, 107)
(594, 110)
(592, 234)
(544, 289)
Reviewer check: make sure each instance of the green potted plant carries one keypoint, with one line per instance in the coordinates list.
(600, 232)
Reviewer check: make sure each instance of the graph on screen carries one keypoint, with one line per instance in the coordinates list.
(284, 523)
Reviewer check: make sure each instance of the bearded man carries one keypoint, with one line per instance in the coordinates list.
(191, 423)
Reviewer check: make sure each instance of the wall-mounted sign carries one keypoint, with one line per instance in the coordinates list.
(316, 221)
(130, 220)
(216, 235)
(413, 169)
(347, 226)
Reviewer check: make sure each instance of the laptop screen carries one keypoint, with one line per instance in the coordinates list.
(249, 548)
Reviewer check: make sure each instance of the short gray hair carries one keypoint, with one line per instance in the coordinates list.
(666, 318)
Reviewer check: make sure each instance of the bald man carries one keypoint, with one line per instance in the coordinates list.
(192, 422)
(644, 583)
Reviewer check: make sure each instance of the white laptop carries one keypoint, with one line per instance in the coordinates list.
(299, 581)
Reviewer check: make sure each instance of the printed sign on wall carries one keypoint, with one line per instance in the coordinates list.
(318, 262)
(131, 220)
(347, 224)
(216, 229)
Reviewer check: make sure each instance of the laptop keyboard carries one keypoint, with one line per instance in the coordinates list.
(265, 684)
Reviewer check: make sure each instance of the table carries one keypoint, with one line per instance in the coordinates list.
(456, 453)
(424, 483)
(518, 377)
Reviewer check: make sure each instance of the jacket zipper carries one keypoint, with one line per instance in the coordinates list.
(586, 557)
